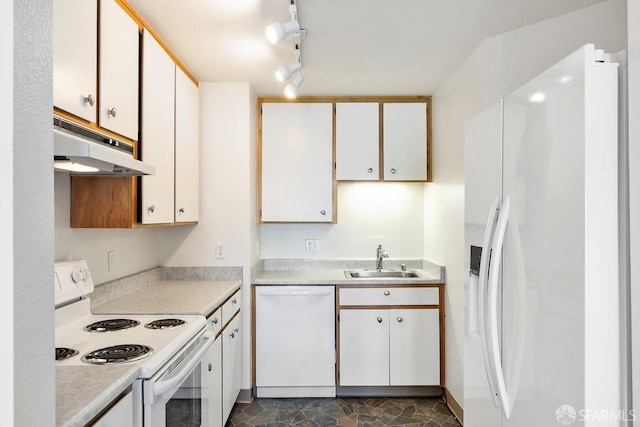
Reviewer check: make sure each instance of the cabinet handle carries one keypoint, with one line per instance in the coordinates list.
(387, 293)
(112, 112)
(210, 367)
(399, 319)
(233, 334)
(379, 319)
(151, 208)
(88, 100)
(323, 212)
(234, 301)
(370, 170)
(393, 170)
(181, 210)
(236, 330)
(215, 321)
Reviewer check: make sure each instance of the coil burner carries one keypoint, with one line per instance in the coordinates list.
(64, 353)
(165, 324)
(111, 325)
(118, 354)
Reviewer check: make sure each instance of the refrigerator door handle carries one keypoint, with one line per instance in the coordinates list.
(492, 307)
(485, 260)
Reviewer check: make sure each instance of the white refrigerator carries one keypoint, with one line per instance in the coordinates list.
(541, 242)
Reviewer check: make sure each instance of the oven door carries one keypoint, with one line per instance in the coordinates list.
(177, 394)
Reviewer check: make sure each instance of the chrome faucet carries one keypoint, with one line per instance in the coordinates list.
(379, 256)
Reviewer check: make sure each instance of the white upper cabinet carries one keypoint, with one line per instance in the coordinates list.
(119, 58)
(75, 57)
(187, 149)
(357, 141)
(157, 136)
(297, 162)
(405, 141)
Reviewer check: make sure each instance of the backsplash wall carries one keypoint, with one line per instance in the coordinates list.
(369, 214)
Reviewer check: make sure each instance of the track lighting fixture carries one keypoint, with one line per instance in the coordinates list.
(278, 31)
(291, 91)
(284, 73)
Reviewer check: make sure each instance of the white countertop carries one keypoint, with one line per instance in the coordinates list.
(172, 297)
(83, 391)
(335, 277)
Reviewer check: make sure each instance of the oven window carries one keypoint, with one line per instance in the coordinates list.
(184, 409)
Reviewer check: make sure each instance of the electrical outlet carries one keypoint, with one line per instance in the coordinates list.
(110, 261)
(312, 245)
(220, 252)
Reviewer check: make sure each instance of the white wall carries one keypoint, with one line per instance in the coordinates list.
(28, 397)
(633, 12)
(6, 204)
(227, 194)
(369, 214)
(500, 65)
(134, 249)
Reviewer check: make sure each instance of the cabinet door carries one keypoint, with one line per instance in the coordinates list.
(231, 366)
(357, 141)
(157, 137)
(75, 57)
(187, 149)
(364, 347)
(120, 414)
(414, 347)
(405, 141)
(297, 162)
(212, 405)
(119, 47)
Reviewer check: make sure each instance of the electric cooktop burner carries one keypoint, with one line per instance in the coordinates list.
(118, 354)
(165, 323)
(64, 353)
(111, 325)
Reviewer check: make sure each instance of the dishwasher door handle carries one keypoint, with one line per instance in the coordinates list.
(294, 293)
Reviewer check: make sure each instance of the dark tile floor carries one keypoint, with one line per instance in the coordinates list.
(343, 411)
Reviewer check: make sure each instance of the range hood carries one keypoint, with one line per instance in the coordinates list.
(83, 151)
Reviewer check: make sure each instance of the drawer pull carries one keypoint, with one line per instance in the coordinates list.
(235, 301)
(387, 293)
(399, 319)
(379, 319)
(210, 367)
(215, 321)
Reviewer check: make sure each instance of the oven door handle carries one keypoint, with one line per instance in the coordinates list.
(162, 386)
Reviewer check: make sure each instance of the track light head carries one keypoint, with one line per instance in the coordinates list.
(291, 91)
(278, 31)
(284, 73)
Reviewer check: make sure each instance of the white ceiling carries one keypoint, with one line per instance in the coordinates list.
(353, 47)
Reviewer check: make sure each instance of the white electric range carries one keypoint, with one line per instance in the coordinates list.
(167, 349)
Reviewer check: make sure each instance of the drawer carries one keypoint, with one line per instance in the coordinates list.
(214, 322)
(231, 307)
(389, 296)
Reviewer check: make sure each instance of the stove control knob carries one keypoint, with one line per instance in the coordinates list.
(85, 275)
(76, 276)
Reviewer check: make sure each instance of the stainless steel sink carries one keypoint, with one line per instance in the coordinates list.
(372, 274)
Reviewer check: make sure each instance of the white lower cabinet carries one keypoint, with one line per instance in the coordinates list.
(231, 366)
(389, 336)
(213, 372)
(396, 347)
(119, 415)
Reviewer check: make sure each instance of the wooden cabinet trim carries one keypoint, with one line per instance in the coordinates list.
(142, 24)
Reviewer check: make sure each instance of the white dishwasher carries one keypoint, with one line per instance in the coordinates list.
(295, 341)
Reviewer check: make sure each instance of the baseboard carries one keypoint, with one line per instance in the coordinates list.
(389, 391)
(454, 406)
(245, 396)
